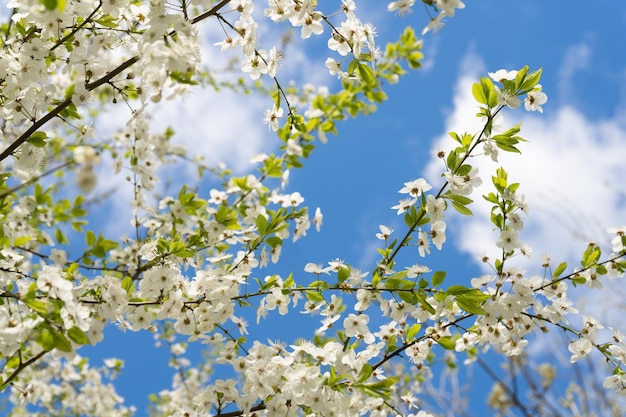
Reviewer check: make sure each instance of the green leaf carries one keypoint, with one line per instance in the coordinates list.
(21, 240)
(455, 136)
(365, 373)
(78, 336)
(71, 270)
(343, 274)
(462, 209)
(46, 339)
(578, 280)
(421, 297)
(479, 93)
(470, 305)
(38, 139)
(464, 169)
(289, 282)
(127, 284)
(376, 280)
(469, 299)
(492, 198)
(367, 74)
(413, 331)
(352, 66)
(461, 199)
(452, 159)
(446, 342)
(314, 296)
(591, 255)
(484, 92)
(108, 21)
(227, 217)
(183, 77)
(458, 289)
(49, 338)
(408, 297)
(531, 81)
(559, 269)
(520, 76)
(438, 278)
(90, 238)
(179, 249)
(38, 306)
(49, 4)
(60, 341)
(381, 388)
(276, 97)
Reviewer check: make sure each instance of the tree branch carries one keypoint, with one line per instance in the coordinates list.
(92, 86)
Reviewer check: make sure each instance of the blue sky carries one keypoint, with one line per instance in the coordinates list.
(572, 169)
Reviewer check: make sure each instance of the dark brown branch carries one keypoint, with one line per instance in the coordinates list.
(21, 368)
(77, 28)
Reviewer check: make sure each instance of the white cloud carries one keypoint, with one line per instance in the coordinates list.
(570, 172)
(577, 57)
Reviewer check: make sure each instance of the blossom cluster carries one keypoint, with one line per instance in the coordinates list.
(195, 259)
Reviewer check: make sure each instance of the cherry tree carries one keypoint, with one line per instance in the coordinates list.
(194, 266)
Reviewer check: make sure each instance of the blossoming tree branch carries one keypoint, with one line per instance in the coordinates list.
(196, 262)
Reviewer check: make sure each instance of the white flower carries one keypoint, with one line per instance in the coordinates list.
(580, 349)
(385, 232)
(617, 241)
(272, 116)
(401, 6)
(316, 269)
(438, 233)
(404, 205)
(254, 65)
(448, 6)
(435, 24)
(317, 219)
(81, 95)
(356, 324)
(50, 280)
(423, 243)
(435, 208)
(86, 155)
(30, 158)
(312, 24)
(508, 240)
(364, 298)
(502, 75)
(415, 270)
(506, 98)
(86, 179)
(465, 342)
(293, 148)
(534, 101)
(335, 68)
(463, 184)
(617, 381)
(416, 187)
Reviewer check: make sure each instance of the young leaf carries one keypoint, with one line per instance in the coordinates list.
(446, 342)
(559, 269)
(438, 278)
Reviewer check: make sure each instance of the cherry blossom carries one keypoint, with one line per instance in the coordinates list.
(197, 257)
